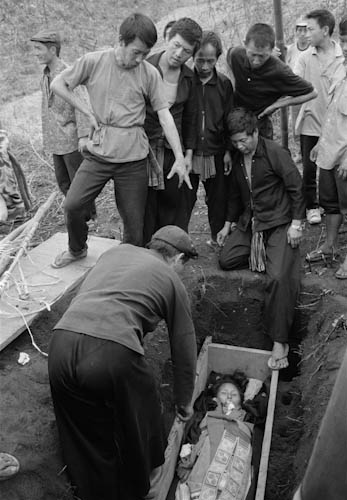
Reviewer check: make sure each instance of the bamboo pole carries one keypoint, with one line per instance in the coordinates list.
(9, 245)
(29, 232)
(280, 44)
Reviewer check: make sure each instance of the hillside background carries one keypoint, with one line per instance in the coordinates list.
(90, 24)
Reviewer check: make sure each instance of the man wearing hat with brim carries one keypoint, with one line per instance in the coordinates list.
(64, 129)
(105, 400)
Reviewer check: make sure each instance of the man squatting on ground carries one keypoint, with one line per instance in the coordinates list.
(166, 203)
(330, 155)
(211, 159)
(119, 81)
(263, 225)
(262, 82)
(322, 65)
(63, 127)
(105, 399)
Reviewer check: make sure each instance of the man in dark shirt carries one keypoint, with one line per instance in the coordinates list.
(263, 226)
(104, 393)
(211, 160)
(262, 82)
(166, 203)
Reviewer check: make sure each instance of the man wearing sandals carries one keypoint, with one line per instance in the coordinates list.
(119, 83)
(263, 224)
(330, 155)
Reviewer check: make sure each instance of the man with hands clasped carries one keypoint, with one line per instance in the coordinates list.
(263, 227)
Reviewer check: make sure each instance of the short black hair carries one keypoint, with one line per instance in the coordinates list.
(324, 18)
(57, 46)
(138, 26)
(241, 120)
(189, 30)
(167, 27)
(343, 26)
(213, 39)
(262, 35)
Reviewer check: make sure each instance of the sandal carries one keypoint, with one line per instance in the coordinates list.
(341, 274)
(9, 466)
(65, 258)
(318, 256)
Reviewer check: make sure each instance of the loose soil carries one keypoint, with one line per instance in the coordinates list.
(227, 306)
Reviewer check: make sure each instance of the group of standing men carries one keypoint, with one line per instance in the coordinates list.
(156, 128)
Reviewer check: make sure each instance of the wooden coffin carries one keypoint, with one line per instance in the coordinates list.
(224, 359)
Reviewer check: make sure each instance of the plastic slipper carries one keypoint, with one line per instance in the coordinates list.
(319, 255)
(272, 364)
(65, 258)
(9, 466)
(341, 274)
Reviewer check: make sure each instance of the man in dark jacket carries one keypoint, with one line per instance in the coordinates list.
(262, 82)
(211, 160)
(166, 203)
(263, 225)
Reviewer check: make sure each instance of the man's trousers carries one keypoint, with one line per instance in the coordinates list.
(108, 415)
(130, 188)
(282, 275)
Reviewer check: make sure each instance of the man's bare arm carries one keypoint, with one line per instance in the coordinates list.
(288, 101)
(171, 134)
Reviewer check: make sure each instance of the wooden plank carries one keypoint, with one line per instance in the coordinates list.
(265, 451)
(45, 284)
(227, 358)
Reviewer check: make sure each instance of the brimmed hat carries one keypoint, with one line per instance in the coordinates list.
(46, 36)
(177, 238)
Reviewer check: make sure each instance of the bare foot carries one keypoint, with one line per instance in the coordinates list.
(279, 359)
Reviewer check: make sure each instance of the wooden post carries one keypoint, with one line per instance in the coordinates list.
(280, 44)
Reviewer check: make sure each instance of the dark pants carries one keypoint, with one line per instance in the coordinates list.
(309, 178)
(215, 189)
(172, 205)
(65, 168)
(130, 187)
(282, 273)
(108, 416)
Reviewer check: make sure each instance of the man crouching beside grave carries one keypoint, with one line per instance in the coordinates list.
(263, 227)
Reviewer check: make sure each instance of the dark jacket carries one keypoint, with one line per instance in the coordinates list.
(258, 88)
(276, 194)
(184, 110)
(215, 100)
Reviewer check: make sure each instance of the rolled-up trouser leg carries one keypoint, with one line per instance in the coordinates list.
(283, 283)
(108, 416)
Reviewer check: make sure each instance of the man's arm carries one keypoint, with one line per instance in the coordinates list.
(61, 88)
(171, 134)
(288, 101)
